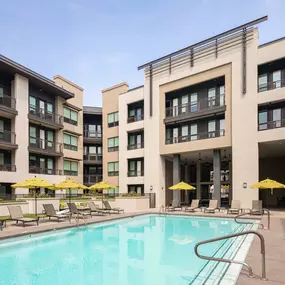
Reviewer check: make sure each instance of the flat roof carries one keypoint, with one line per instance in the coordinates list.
(92, 110)
(12, 67)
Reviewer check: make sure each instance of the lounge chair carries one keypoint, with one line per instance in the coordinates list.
(256, 207)
(235, 207)
(95, 209)
(193, 207)
(17, 215)
(109, 208)
(175, 205)
(213, 205)
(51, 213)
(74, 211)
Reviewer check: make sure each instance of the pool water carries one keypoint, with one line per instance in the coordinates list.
(148, 249)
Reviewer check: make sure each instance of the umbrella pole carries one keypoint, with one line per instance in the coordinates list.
(102, 198)
(36, 208)
(69, 195)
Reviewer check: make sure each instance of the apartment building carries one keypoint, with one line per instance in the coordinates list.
(211, 114)
(40, 127)
(92, 141)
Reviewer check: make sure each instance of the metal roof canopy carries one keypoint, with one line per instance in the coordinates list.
(199, 44)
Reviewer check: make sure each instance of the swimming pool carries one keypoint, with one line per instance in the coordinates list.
(149, 249)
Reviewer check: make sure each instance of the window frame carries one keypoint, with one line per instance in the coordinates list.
(114, 147)
(69, 171)
(68, 119)
(69, 145)
(115, 168)
(115, 119)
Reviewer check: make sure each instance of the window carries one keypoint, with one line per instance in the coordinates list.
(50, 169)
(222, 127)
(33, 106)
(50, 139)
(139, 189)
(135, 167)
(211, 129)
(222, 95)
(135, 141)
(184, 133)
(276, 118)
(262, 82)
(113, 144)
(184, 103)
(113, 119)
(135, 114)
(175, 107)
(168, 136)
(1, 158)
(70, 116)
(276, 79)
(70, 142)
(193, 102)
(113, 168)
(70, 168)
(33, 135)
(193, 132)
(262, 120)
(212, 97)
(32, 161)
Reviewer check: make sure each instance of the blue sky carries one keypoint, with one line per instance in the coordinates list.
(97, 44)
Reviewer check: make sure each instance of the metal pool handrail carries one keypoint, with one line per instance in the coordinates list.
(251, 223)
(250, 273)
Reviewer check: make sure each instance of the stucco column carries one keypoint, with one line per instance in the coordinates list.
(187, 179)
(230, 184)
(198, 179)
(217, 175)
(176, 175)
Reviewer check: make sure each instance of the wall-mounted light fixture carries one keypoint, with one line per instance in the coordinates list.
(244, 185)
(150, 188)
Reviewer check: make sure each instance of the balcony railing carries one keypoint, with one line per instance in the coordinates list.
(113, 173)
(135, 146)
(92, 178)
(271, 125)
(135, 118)
(199, 136)
(7, 167)
(93, 157)
(93, 134)
(40, 170)
(113, 148)
(197, 106)
(8, 101)
(49, 146)
(7, 136)
(135, 173)
(271, 85)
(71, 172)
(46, 116)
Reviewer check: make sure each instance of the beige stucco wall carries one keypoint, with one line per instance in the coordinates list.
(198, 145)
(243, 125)
(110, 100)
(77, 101)
(270, 52)
(125, 154)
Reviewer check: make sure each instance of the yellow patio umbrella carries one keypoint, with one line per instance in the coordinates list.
(182, 186)
(33, 183)
(268, 184)
(101, 186)
(68, 184)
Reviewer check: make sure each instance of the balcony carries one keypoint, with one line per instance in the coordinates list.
(135, 118)
(92, 137)
(135, 173)
(135, 146)
(8, 106)
(8, 140)
(271, 125)
(45, 147)
(92, 158)
(7, 167)
(92, 179)
(199, 136)
(44, 118)
(40, 170)
(271, 85)
(202, 108)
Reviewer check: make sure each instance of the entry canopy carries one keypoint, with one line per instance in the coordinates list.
(182, 186)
